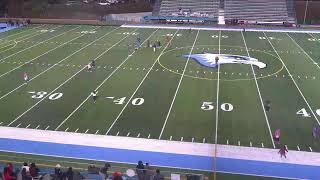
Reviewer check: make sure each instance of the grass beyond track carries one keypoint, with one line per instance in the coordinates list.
(162, 95)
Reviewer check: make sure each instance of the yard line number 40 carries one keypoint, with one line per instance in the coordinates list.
(304, 113)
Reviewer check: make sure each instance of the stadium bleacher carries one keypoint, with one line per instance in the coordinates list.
(195, 8)
(262, 11)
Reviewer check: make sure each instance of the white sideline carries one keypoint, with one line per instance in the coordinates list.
(294, 30)
(163, 146)
(177, 90)
(18, 117)
(43, 53)
(261, 101)
(97, 88)
(32, 45)
(23, 31)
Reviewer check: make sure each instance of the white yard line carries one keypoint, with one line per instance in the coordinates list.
(58, 62)
(136, 90)
(110, 75)
(217, 112)
(35, 44)
(66, 81)
(31, 60)
(261, 101)
(23, 31)
(174, 97)
(303, 51)
(315, 116)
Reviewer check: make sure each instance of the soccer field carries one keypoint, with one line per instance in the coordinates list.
(170, 93)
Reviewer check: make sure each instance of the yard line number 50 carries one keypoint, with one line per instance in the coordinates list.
(208, 106)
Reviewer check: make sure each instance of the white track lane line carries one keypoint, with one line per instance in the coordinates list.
(144, 78)
(175, 94)
(66, 81)
(257, 85)
(31, 60)
(36, 44)
(56, 64)
(110, 75)
(304, 98)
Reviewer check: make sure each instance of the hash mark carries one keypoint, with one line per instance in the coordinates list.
(227, 142)
(76, 130)
(47, 127)
(298, 148)
(18, 125)
(28, 125)
(138, 135)
(310, 148)
(149, 136)
(238, 143)
(96, 132)
(286, 146)
(181, 139)
(204, 140)
(170, 138)
(118, 133)
(66, 129)
(86, 131)
(1, 123)
(128, 134)
(262, 145)
(38, 127)
(192, 140)
(250, 144)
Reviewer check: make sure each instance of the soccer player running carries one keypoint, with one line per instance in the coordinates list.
(94, 95)
(25, 77)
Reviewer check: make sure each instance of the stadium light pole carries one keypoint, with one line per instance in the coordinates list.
(305, 12)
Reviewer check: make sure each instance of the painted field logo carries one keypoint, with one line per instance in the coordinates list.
(209, 60)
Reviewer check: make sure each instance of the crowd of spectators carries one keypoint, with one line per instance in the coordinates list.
(32, 172)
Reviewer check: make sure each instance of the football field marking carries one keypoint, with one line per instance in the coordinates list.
(107, 78)
(217, 112)
(146, 75)
(285, 66)
(56, 64)
(175, 94)
(66, 81)
(259, 93)
(23, 31)
(42, 54)
(294, 41)
(35, 44)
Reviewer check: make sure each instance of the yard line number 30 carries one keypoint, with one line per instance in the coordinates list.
(42, 94)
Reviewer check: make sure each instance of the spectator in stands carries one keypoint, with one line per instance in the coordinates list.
(140, 170)
(104, 171)
(7, 174)
(69, 174)
(25, 175)
(58, 175)
(117, 176)
(158, 176)
(25, 165)
(34, 170)
(149, 171)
